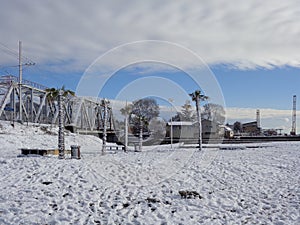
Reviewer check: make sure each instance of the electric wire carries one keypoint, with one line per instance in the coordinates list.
(14, 53)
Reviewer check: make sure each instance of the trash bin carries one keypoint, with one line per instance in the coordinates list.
(136, 147)
(75, 152)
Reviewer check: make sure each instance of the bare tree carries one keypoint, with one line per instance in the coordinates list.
(142, 112)
(238, 127)
(197, 97)
(214, 112)
(187, 113)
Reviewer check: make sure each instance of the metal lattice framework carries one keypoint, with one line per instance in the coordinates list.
(88, 114)
(80, 113)
(293, 131)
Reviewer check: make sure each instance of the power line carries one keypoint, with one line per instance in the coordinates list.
(14, 53)
(8, 50)
(7, 69)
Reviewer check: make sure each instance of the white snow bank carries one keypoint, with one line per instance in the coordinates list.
(41, 137)
(249, 186)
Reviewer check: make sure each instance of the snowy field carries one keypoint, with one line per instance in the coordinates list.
(257, 185)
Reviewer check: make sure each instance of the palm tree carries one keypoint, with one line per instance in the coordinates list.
(52, 97)
(52, 93)
(104, 103)
(197, 97)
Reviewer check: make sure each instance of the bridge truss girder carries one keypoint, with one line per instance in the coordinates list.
(80, 113)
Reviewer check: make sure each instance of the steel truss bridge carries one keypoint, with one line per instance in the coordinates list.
(81, 114)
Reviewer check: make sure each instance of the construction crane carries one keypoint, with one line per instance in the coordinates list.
(293, 131)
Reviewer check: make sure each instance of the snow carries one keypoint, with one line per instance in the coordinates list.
(240, 186)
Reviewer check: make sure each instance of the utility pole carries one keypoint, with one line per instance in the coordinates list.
(293, 131)
(20, 81)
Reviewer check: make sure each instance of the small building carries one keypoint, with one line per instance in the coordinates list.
(228, 131)
(181, 129)
(189, 130)
(270, 132)
(251, 128)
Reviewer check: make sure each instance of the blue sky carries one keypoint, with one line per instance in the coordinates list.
(255, 88)
(259, 88)
(252, 48)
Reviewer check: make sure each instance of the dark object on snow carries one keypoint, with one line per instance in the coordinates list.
(43, 152)
(152, 200)
(75, 152)
(125, 205)
(189, 194)
(47, 182)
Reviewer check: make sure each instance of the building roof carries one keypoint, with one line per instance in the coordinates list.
(254, 123)
(227, 128)
(189, 123)
(181, 123)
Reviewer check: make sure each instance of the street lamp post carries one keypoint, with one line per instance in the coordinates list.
(126, 128)
(171, 131)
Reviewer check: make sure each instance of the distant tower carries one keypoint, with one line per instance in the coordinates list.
(258, 118)
(258, 122)
(293, 131)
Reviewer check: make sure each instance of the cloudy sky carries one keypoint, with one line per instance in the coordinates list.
(252, 48)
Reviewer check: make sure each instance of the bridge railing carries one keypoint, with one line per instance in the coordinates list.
(8, 79)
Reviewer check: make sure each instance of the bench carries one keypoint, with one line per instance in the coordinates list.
(232, 147)
(42, 152)
(114, 147)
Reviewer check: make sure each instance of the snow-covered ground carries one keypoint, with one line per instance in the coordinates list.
(241, 186)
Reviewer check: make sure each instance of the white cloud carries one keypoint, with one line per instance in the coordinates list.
(73, 33)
